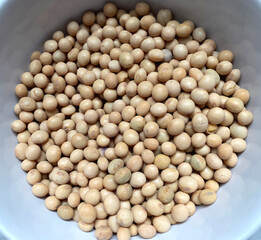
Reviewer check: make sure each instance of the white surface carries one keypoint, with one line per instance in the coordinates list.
(256, 236)
(234, 24)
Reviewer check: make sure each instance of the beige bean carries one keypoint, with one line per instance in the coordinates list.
(146, 231)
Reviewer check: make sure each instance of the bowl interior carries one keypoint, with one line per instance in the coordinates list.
(234, 24)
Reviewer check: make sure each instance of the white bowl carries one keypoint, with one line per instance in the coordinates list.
(234, 24)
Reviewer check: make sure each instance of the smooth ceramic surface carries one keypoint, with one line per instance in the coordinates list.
(234, 24)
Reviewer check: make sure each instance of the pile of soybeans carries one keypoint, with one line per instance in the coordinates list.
(129, 121)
